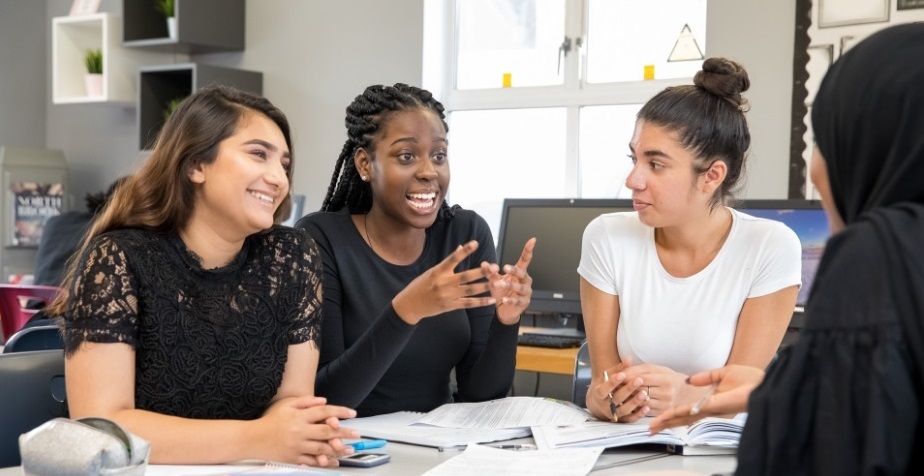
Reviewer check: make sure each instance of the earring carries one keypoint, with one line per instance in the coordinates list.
(364, 178)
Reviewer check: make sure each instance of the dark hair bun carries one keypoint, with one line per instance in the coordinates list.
(724, 78)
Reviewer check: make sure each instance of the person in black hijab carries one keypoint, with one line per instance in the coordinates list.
(847, 397)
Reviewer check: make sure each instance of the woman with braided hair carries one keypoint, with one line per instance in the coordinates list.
(411, 291)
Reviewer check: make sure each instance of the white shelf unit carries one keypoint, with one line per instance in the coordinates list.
(72, 37)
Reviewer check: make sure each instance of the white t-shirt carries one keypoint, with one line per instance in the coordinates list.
(686, 324)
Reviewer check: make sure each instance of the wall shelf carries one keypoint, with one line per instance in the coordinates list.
(72, 37)
(158, 85)
(203, 26)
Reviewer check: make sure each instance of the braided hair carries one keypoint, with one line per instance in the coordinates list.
(365, 116)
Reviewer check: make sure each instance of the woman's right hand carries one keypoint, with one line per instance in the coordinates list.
(734, 384)
(303, 430)
(628, 398)
(441, 289)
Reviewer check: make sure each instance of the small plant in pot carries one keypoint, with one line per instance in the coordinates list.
(167, 8)
(171, 106)
(94, 77)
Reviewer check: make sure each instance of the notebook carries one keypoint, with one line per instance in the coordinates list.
(400, 427)
(706, 436)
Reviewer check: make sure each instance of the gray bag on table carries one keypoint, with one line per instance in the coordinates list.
(88, 446)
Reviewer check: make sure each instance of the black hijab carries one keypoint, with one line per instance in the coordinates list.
(846, 398)
(868, 119)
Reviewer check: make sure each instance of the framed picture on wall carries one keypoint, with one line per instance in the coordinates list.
(851, 12)
(910, 4)
(32, 204)
(820, 58)
(847, 42)
(84, 7)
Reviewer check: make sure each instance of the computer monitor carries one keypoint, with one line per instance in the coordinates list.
(558, 225)
(810, 223)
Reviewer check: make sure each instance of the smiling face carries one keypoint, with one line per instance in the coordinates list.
(238, 192)
(408, 169)
(665, 190)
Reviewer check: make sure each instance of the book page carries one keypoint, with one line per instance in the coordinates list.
(510, 412)
(400, 426)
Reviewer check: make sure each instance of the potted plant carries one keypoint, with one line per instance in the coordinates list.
(171, 106)
(94, 77)
(168, 9)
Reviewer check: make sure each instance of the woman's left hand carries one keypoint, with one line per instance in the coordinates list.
(663, 385)
(513, 289)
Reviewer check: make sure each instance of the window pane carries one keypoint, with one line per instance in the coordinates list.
(604, 163)
(497, 154)
(625, 35)
(519, 37)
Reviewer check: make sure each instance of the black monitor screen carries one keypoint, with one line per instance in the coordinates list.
(809, 222)
(558, 225)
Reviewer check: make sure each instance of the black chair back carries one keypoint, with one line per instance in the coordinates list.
(32, 392)
(35, 338)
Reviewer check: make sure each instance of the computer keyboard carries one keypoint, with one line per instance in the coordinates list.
(549, 340)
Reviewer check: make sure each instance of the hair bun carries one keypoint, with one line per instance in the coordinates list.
(725, 79)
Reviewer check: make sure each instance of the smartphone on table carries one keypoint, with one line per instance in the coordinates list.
(364, 460)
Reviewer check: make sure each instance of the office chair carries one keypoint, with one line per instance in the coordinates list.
(32, 393)
(582, 376)
(13, 298)
(35, 338)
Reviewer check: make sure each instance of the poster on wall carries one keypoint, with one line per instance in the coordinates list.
(910, 4)
(33, 203)
(851, 12)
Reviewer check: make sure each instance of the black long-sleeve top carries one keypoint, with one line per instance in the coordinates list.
(375, 362)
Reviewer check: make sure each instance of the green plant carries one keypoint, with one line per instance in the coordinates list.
(171, 106)
(166, 7)
(94, 61)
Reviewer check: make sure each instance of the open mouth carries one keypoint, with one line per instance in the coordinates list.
(422, 201)
(262, 197)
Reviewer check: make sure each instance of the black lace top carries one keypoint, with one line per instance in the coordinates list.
(209, 343)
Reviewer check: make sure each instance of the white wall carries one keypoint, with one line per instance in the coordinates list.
(316, 56)
(760, 35)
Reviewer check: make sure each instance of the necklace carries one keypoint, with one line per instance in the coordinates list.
(366, 229)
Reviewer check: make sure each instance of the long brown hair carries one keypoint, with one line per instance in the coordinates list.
(160, 196)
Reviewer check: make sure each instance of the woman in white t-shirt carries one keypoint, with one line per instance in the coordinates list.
(683, 283)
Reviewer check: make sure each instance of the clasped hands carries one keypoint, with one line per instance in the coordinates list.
(441, 289)
(303, 430)
(625, 393)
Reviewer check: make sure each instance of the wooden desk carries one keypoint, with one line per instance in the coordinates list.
(543, 359)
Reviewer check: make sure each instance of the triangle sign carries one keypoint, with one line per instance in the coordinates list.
(686, 48)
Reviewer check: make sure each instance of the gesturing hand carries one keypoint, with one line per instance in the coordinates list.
(440, 289)
(513, 289)
(734, 384)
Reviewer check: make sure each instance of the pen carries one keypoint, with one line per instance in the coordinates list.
(702, 401)
(525, 446)
(367, 444)
(613, 405)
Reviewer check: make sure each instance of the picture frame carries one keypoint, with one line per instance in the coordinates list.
(832, 13)
(84, 7)
(909, 4)
(31, 205)
(847, 42)
(820, 59)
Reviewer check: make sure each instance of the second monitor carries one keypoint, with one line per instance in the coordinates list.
(558, 225)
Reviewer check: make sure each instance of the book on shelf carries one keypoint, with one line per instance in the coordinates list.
(708, 436)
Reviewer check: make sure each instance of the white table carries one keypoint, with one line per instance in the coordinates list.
(410, 460)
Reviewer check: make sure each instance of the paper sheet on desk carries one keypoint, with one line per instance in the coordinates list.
(510, 412)
(482, 460)
(401, 426)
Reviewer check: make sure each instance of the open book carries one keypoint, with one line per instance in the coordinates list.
(401, 427)
(706, 436)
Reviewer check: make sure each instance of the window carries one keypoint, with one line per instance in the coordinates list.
(541, 95)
